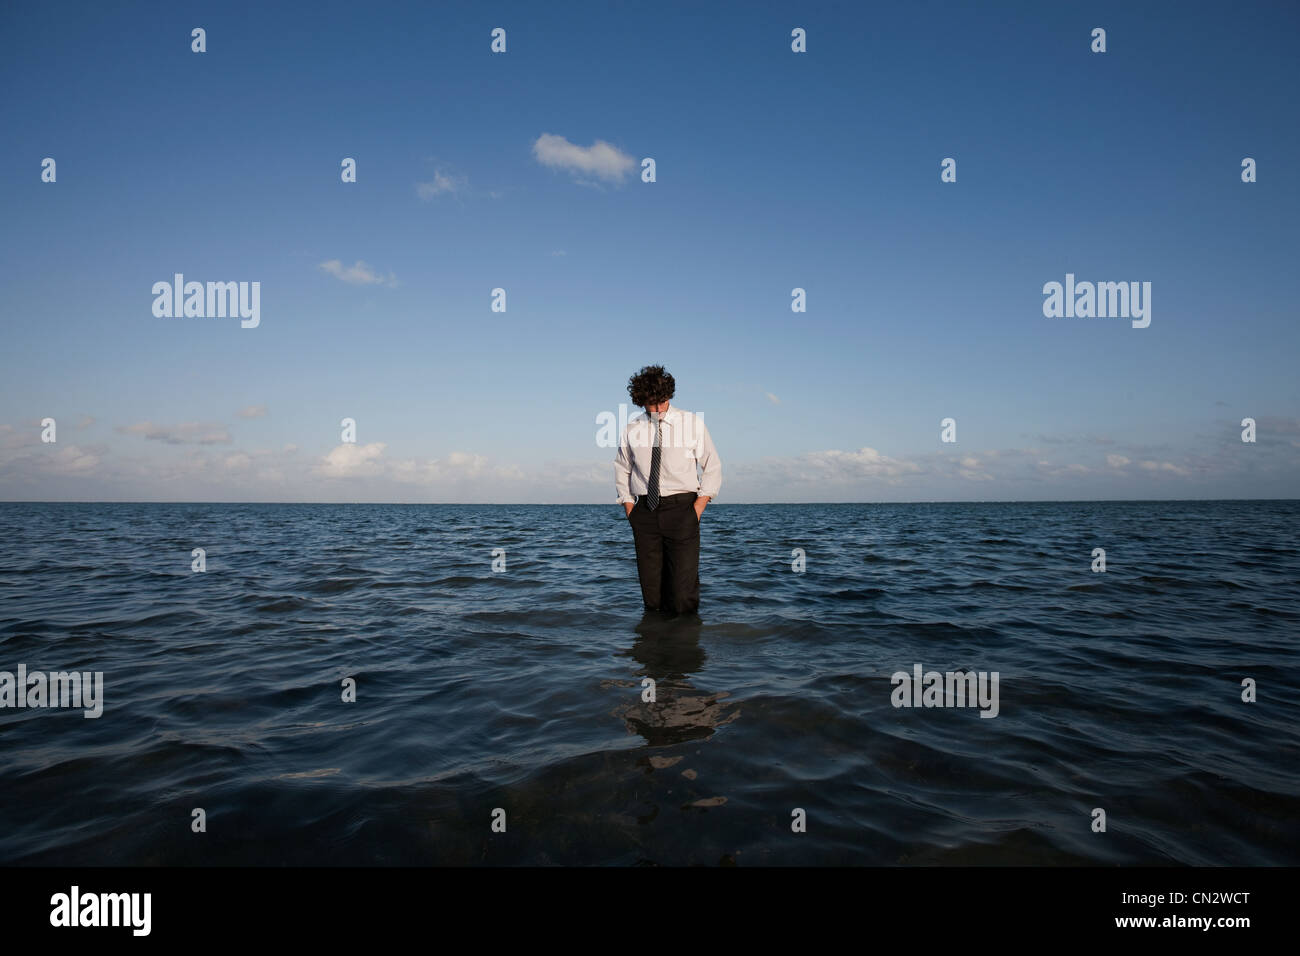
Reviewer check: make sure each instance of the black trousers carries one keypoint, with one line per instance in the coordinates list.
(668, 552)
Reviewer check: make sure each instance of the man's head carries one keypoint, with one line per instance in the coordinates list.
(651, 388)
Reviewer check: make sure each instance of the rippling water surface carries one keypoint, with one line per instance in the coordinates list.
(522, 690)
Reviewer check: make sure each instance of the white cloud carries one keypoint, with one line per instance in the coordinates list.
(252, 411)
(460, 459)
(359, 273)
(458, 465)
(600, 159)
(442, 183)
(71, 460)
(351, 460)
(1117, 461)
(836, 465)
(970, 469)
(772, 398)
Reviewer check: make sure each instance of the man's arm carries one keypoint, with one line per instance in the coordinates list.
(710, 467)
(622, 474)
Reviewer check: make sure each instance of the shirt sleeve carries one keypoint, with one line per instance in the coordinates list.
(710, 463)
(623, 471)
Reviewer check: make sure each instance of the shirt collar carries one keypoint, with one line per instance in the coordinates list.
(668, 418)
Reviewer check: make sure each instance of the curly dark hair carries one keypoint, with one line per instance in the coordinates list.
(650, 386)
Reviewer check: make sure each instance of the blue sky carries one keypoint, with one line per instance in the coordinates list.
(775, 170)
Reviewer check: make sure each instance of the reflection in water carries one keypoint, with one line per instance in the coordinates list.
(669, 652)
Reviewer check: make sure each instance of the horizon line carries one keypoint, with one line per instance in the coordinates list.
(593, 504)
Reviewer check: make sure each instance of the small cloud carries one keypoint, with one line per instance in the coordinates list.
(863, 463)
(442, 183)
(70, 460)
(460, 459)
(186, 433)
(357, 274)
(1116, 461)
(86, 422)
(772, 398)
(252, 411)
(599, 159)
(559, 252)
(351, 460)
(1222, 404)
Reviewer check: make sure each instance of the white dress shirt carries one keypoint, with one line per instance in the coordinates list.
(684, 444)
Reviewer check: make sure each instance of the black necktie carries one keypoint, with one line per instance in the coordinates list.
(652, 488)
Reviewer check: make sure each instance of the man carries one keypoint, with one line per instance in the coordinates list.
(656, 478)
